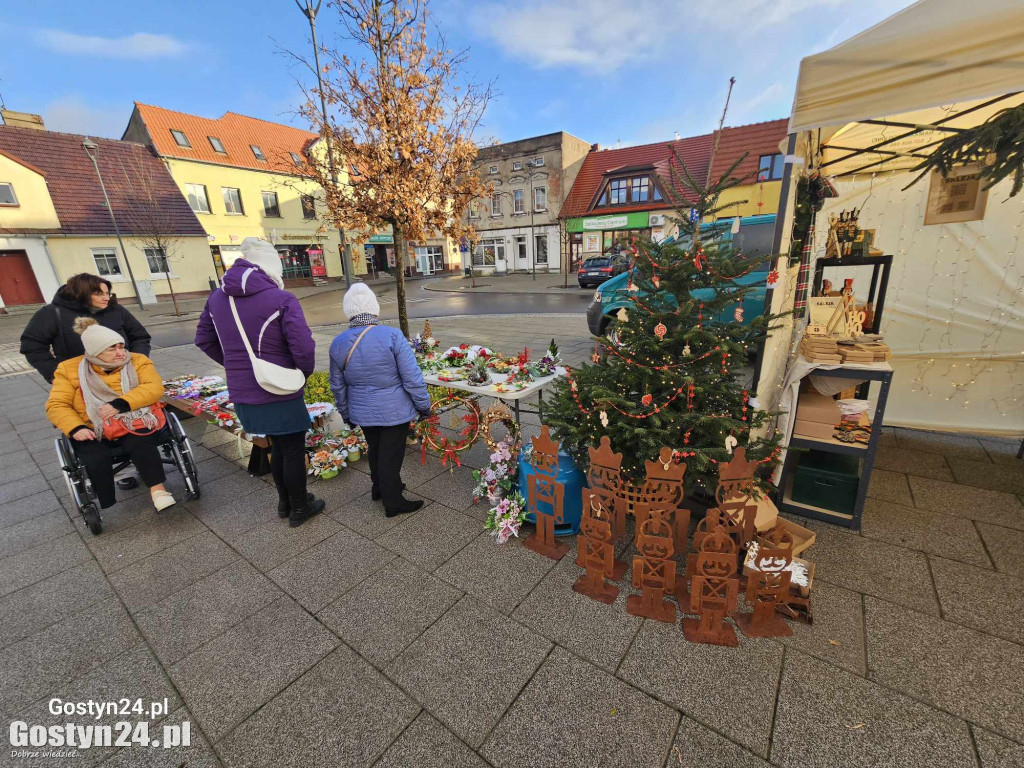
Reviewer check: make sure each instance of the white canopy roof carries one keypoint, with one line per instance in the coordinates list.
(936, 52)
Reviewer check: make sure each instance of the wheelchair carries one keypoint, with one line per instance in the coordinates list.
(175, 451)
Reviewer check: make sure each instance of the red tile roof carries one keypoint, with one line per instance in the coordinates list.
(75, 190)
(757, 139)
(237, 134)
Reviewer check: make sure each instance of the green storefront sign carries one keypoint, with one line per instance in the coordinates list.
(636, 220)
(381, 239)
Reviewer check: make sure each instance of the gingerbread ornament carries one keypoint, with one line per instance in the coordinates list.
(714, 591)
(654, 570)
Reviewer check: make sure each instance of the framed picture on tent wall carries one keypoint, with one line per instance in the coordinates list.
(959, 197)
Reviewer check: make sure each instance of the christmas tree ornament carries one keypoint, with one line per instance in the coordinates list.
(604, 418)
(622, 315)
(730, 443)
(647, 399)
(575, 386)
(686, 350)
(595, 357)
(660, 330)
(633, 286)
(738, 314)
(657, 281)
(773, 277)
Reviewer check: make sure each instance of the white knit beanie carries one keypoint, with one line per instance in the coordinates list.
(359, 300)
(95, 337)
(265, 256)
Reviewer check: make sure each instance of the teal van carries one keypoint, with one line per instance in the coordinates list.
(755, 238)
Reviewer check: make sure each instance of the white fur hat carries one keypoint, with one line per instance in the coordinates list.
(263, 255)
(95, 337)
(360, 300)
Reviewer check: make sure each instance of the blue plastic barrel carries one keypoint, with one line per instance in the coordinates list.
(574, 481)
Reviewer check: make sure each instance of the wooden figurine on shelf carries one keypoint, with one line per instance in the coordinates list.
(597, 549)
(663, 488)
(714, 591)
(605, 474)
(767, 587)
(546, 491)
(735, 487)
(654, 570)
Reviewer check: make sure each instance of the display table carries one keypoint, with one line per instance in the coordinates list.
(515, 397)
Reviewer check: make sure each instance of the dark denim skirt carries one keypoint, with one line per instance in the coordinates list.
(282, 418)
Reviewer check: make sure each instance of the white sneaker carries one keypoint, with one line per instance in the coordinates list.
(162, 500)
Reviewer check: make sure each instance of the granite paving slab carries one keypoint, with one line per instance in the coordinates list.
(933, 532)
(980, 504)
(889, 486)
(28, 507)
(366, 516)
(198, 754)
(19, 489)
(984, 474)
(962, 446)
(1005, 546)
(47, 602)
(115, 551)
(704, 681)
(996, 752)
(453, 488)
(468, 667)
(340, 490)
(1002, 451)
(501, 575)
(270, 544)
(698, 747)
(837, 634)
(430, 536)
(16, 468)
(215, 468)
(132, 508)
(197, 614)
(232, 676)
(829, 718)
(917, 463)
(382, 615)
(592, 630)
(987, 601)
(34, 531)
(966, 673)
(319, 575)
(41, 562)
(428, 744)
(573, 714)
(232, 518)
(150, 580)
(341, 712)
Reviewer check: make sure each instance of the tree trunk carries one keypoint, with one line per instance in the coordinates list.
(400, 262)
(174, 299)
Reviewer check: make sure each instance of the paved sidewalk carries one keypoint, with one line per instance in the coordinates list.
(357, 640)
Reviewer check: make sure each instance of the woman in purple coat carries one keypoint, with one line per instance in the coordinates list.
(277, 332)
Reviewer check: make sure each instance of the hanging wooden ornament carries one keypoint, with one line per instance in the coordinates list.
(657, 281)
(633, 286)
(622, 316)
(773, 277)
(738, 314)
(730, 443)
(595, 357)
(604, 418)
(660, 330)
(686, 350)
(647, 399)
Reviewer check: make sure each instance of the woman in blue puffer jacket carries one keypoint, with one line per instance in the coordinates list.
(378, 386)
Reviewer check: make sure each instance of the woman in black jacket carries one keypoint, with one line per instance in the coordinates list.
(49, 339)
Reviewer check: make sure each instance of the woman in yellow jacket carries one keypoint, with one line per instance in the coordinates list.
(109, 383)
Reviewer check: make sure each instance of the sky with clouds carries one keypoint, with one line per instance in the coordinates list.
(608, 71)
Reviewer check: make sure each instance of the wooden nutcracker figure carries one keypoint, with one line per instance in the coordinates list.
(663, 488)
(735, 487)
(654, 570)
(546, 498)
(605, 474)
(597, 549)
(767, 587)
(714, 591)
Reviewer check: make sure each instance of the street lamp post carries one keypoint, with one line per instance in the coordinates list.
(310, 10)
(91, 150)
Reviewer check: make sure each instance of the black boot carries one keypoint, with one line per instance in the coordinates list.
(407, 506)
(312, 508)
(284, 505)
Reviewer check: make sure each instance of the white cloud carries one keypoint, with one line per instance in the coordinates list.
(71, 114)
(140, 45)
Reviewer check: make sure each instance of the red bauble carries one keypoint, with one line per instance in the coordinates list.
(646, 399)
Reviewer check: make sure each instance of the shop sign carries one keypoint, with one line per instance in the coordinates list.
(317, 267)
(606, 222)
(305, 238)
(959, 197)
(381, 239)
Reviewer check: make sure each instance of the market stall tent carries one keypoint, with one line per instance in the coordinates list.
(864, 114)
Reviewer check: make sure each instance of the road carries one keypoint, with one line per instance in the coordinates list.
(325, 308)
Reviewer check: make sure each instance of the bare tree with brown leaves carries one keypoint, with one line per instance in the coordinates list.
(403, 120)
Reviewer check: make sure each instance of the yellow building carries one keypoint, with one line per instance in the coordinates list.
(54, 222)
(243, 178)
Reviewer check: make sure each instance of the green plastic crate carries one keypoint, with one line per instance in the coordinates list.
(828, 481)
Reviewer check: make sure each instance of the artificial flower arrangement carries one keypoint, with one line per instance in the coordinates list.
(506, 518)
(423, 345)
(191, 387)
(326, 462)
(478, 373)
(455, 357)
(547, 365)
(497, 479)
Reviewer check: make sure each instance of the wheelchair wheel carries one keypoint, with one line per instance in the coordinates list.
(78, 484)
(182, 454)
(92, 519)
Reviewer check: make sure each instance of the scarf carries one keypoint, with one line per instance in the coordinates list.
(96, 393)
(362, 320)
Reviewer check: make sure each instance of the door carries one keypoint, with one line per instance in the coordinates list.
(522, 259)
(17, 280)
(436, 261)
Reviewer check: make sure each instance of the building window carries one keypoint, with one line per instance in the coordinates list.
(770, 167)
(430, 259)
(157, 260)
(308, 206)
(7, 196)
(355, 171)
(107, 264)
(540, 244)
(518, 204)
(493, 170)
(296, 159)
(474, 209)
(217, 144)
(517, 166)
(657, 193)
(495, 204)
(270, 207)
(639, 188)
(197, 200)
(540, 199)
(180, 138)
(257, 152)
(520, 243)
(489, 251)
(617, 192)
(232, 200)
(538, 162)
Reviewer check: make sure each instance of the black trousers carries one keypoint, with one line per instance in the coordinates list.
(386, 452)
(288, 467)
(98, 458)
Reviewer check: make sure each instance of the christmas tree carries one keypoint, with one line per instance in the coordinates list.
(668, 371)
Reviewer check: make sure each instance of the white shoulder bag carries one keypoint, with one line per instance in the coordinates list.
(274, 378)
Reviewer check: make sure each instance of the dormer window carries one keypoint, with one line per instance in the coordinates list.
(217, 144)
(629, 190)
(257, 152)
(180, 138)
(7, 196)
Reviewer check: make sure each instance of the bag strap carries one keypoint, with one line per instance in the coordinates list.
(245, 339)
(353, 347)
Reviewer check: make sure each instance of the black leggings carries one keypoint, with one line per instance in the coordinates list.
(385, 453)
(288, 466)
(98, 458)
